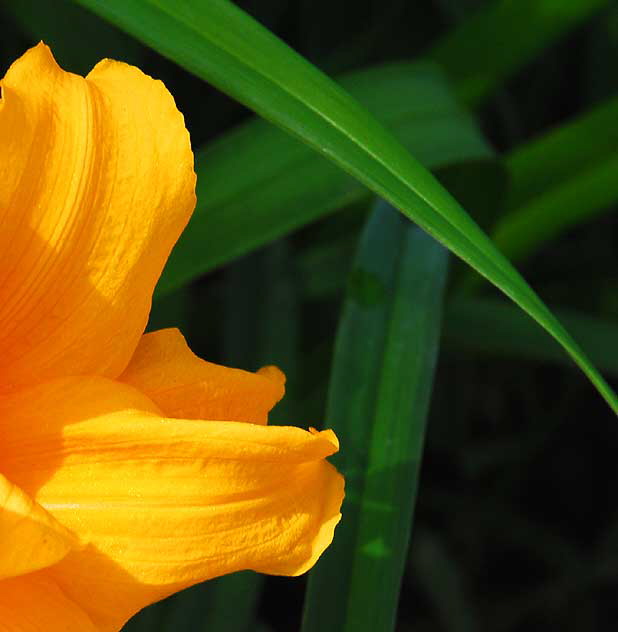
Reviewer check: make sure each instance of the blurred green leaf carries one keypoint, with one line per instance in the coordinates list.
(172, 310)
(487, 48)
(284, 184)
(324, 267)
(148, 620)
(222, 44)
(560, 180)
(262, 318)
(224, 604)
(496, 327)
(187, 611)
(378, 401)
(481, 325)
(481, 184)
(478, 184)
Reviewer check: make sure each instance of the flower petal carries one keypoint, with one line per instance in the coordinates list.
(30, 538)
(164, 503)
(96, 184)
(33, 603)
(184, 386)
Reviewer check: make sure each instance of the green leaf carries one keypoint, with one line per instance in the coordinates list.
(491, 326)
(261, 319)
(172, 310)
(222, 44)
(491, 45)
(377, 405)
(560, 180)
(483, 326)
(239, 209)
(324, 262)
(232, 605)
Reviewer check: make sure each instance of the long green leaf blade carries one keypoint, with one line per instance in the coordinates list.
(222, 44)
(488, 47)
(378, 401)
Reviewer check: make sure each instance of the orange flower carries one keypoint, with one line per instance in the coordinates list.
(114, 491)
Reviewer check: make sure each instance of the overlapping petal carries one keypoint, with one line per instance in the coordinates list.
(163, 503)
(30, 538)
(185, 386)
(96, 185)
(34, 602)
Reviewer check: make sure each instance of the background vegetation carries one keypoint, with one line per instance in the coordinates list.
(513, 105)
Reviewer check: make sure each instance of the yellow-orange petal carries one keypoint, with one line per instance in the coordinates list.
(34, 603)
(96, 184)
(159, 503)
(184, 386)
(30, 538)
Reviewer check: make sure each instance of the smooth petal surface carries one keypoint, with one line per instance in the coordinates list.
(161, 503)
(96, 184)
(34, 603)
(185, 386)
(30, 538)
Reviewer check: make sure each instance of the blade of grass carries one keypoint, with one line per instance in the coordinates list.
(220, 43)
(491, 326)
(378, 401)
(491, 45)
(560, 180)
(324, 262)
(412, 99)
(479, 325)
(525, 229)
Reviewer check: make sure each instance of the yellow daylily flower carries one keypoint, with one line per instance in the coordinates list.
(129, 468)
